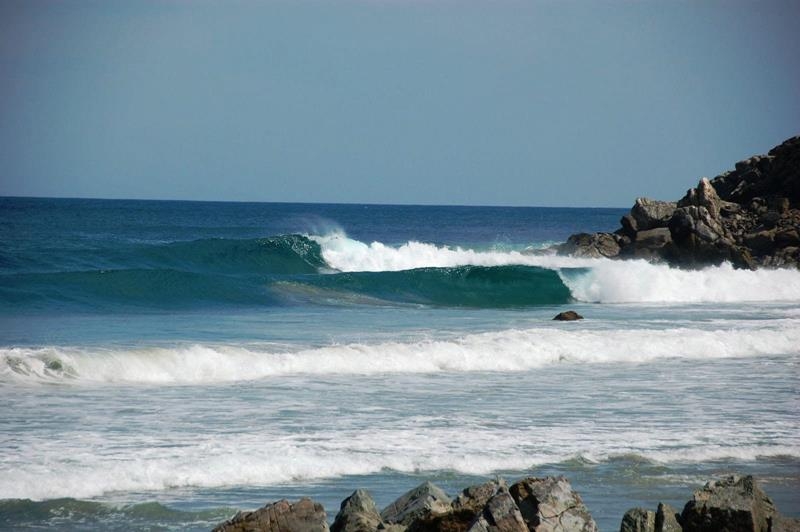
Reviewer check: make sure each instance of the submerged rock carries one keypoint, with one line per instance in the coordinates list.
(569, 315)
(303, 516)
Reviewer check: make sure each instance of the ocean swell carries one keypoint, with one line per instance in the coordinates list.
(504, 351)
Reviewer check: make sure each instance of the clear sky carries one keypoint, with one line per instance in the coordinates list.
(502, 102)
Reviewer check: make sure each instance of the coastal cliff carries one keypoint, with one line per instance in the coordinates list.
(749, 216)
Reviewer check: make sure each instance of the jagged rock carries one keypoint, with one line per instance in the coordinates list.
(425, 500)
(667, 519)
(474, 498)
(596, 245)
(649, 213)
(500, 514)
(733, 503)
(638, 520)
(303, 516)
(711, 222)
(704, 195)
(357, 513)
(551, 505)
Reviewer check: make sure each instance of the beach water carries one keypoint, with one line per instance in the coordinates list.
(164, 364)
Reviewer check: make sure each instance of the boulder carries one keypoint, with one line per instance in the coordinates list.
(303, 516)
(595, 245)
(569, 315)
(500, 514)
(551, 505)
(475, 498)
(423, 501)
(638, 520)
(703, 195)
(357, 513)
(648, 213)
(733, 503)
(667, 519)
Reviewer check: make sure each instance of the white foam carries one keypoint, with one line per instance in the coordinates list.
(510, 351)
(604, 280)
(95, 465)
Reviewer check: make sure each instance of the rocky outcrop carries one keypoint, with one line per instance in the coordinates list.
(638, 520)
(303, 516)
(749, 216)
(425, 501)
(733, 504)
(357, 513)
(551, 505)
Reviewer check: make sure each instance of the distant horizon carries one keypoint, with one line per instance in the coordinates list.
(317, 203)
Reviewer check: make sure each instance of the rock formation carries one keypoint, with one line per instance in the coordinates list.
(303, 516)
(733, 504)
(749, 216)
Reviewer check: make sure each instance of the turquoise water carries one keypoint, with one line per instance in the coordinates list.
(164, 364)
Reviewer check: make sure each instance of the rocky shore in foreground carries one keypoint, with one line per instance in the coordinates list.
(731, 504)
(749, 216)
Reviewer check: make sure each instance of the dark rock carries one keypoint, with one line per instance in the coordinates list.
(550, 504)
(667, 519)
(596, 245)
(500, 515)
(569, 315)
(649, 213)
(303, 516)
(475, 498)
(357, 513)
(629, 226)
(761, 242)
(710, 223)
(733, 503)
(638, 520)
(423, 501)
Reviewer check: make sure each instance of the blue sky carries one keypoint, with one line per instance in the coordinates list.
(390, 101)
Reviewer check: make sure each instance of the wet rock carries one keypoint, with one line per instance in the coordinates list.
(551, 505)
(423, 501)
(569, 315)
(357, 513)
(667, 519)
(638, 520)
(733, 503)
(303, 516)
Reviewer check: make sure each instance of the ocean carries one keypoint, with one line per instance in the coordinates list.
(165, 364)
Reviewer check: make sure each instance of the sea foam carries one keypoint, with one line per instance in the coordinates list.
(589, 280)
(507, 351)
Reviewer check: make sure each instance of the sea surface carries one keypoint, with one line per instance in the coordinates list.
(165, 364)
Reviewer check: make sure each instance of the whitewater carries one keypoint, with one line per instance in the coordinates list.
(169, 363)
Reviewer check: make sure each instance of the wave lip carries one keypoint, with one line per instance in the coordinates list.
(589, 280)
(505, 351)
